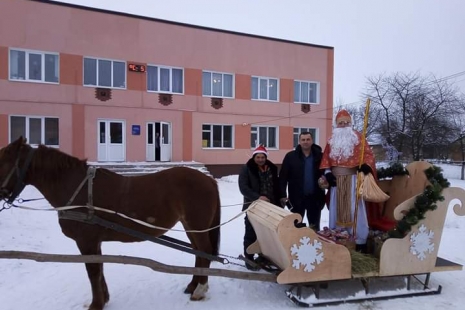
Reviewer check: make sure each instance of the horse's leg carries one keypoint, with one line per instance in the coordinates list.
(199, 284)
(100, 293)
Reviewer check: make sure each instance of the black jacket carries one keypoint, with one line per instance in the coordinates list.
(292, 175)
(249, 183)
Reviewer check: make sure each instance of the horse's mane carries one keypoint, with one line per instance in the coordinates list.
(55, 162)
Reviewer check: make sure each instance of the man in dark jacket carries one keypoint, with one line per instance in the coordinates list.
(258, 179)
(300, 173)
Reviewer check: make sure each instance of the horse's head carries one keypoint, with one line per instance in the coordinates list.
(14, 162)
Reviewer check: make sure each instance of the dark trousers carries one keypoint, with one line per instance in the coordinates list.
(249, 237)
(310, 204)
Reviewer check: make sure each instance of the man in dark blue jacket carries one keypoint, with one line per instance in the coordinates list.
(300, 173)
(258, 179)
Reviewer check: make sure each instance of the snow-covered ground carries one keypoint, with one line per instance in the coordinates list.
(28, 285)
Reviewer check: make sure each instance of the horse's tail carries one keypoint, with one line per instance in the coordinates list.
(215, 233)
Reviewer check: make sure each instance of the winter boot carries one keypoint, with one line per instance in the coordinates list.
(251, 264)
(362, 248)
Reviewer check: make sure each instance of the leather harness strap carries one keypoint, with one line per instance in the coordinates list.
(89, 179)
(20, 175)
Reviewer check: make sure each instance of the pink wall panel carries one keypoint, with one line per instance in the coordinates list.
(3, 62)
(3, 130)
(78, 131)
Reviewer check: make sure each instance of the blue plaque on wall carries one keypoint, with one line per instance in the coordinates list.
(136, 130)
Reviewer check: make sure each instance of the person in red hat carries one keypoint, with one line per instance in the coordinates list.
(341, 159)
(258, 179)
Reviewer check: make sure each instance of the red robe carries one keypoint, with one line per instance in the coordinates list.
(374, 216)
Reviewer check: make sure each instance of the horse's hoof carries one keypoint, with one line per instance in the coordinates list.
(190, 288)
(199, 292)
(197, 298)
(95, 307)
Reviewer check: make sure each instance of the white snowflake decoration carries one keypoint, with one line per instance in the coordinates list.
(421, 242)
(307, 254)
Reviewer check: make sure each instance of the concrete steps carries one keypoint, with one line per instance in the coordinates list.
(141, 168)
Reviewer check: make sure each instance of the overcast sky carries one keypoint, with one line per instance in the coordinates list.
(369, 37)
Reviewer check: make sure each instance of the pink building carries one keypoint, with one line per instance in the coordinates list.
(103, 85)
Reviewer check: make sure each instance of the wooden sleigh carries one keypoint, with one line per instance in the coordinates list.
(305, 258)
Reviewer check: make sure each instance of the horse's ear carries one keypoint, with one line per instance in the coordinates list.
(20, 140)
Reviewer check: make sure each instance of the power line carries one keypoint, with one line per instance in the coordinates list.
(445, 78)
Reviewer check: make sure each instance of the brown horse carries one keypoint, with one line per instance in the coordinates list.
(161, 199)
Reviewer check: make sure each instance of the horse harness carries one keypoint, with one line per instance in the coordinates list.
(90, 184)
(91, 218)
(20, 174)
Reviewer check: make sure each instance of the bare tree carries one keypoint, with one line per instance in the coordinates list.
(411, 110)
(458, 143)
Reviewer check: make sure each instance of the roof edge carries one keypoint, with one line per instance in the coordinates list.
(87, 8)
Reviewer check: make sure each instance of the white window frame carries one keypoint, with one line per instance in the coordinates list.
(222, 140)
(171, 79)
(317, 92)
(26, 73)
(268, 88)
(42, 128)
(257, 132)
(97, 72)
(222, 91)
(303, 129)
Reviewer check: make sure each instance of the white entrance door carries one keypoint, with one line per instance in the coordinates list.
(165, 145)
(150, 148)
(111, 140)
(158, 141)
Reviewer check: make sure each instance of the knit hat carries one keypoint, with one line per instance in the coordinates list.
(260, 149)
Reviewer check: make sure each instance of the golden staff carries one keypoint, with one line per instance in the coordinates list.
(359, 175)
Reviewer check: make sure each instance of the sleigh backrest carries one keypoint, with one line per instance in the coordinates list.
(265, 219)
(288, 246)
(401, 188)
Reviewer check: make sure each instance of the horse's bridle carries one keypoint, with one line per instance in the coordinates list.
(20, 174)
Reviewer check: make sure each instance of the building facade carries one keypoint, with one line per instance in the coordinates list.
(113, 87)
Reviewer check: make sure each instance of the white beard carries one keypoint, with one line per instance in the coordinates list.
(343, 142)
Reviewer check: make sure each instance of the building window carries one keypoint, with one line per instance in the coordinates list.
(298, 131)
(104, 73)
(34, 66)
(265, 88)
(217, 136)
(216, 84)
(266, 136)
(165, 79)
(36, 129)
(306, 92)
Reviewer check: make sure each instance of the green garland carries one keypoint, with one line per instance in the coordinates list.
(423, 203)
(395, 169)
